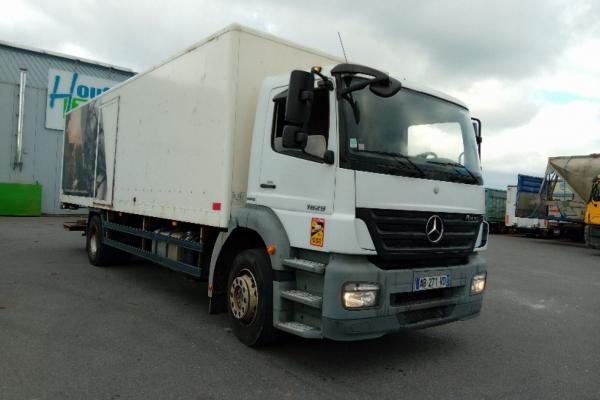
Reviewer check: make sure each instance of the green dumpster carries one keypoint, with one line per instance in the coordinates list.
(20, 199)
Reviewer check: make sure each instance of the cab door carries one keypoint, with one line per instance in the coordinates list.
(593, 208)
(293, 179)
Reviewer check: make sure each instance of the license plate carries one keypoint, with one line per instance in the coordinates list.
(431, 282)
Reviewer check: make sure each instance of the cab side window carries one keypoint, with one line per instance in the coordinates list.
(596, 193)
(317, 127)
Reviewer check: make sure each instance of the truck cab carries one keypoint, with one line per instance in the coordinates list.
(376, 187)
(592, 216)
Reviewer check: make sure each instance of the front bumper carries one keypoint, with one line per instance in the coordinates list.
(399, 307)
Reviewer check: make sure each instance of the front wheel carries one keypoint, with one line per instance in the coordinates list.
(587, 237)
(250, 298)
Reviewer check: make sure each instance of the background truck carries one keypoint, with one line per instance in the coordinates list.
(567, 193)
(592, 216)
(527, 203)
(324, 202)
(515, 223)
(495, 209)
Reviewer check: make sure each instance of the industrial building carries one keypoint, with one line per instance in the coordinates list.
(36, 88)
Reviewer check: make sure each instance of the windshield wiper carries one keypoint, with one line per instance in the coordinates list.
(395, 155)
(455, 164)
(354, 105)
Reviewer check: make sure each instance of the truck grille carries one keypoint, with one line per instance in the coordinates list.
(409, 298)
(400, 235)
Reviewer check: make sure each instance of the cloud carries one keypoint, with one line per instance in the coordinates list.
(529, 69)
(557, 130)
(577, 70)
(474, 40)
(500, 104)
(431, 41)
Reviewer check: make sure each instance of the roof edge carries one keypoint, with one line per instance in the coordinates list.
(65, 56)
(237, 27)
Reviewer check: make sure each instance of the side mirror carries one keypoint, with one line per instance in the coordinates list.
(477, 128)
(292, 138)
(329, 157)
(299, 97)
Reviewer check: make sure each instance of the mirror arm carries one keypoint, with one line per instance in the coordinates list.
(352, 88)
(325, 80)
(362, 85)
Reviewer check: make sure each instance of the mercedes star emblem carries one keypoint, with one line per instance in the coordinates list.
(434, 229)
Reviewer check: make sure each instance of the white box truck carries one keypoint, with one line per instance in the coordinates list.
(521, 224)
(332, 202)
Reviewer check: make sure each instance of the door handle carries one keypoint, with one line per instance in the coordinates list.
(268, 185)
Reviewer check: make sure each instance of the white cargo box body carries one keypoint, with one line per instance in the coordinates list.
(511, 220)
(174, 142)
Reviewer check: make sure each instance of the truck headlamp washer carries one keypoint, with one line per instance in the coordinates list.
(434, 228)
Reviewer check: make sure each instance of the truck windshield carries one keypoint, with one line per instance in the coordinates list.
(408, 134)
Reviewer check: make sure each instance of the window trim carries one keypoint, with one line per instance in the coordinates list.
(350, 161)
(278, 98)
(596, 192)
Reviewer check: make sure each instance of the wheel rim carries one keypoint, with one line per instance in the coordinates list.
(243, 296)
(93, 242)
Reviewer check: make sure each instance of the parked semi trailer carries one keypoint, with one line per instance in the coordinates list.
(333, 202)
(568, 194)
(495, 209)
(515, 223)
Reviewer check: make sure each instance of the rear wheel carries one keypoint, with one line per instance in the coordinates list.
(98, 253)
(250, 298)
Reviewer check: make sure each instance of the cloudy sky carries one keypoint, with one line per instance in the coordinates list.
(529, 69)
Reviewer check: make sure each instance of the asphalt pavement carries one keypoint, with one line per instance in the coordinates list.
(72, 331)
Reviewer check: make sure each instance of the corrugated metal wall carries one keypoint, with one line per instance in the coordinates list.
(42, 148)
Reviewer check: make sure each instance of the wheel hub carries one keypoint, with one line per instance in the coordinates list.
(94, 243)
(243, 296)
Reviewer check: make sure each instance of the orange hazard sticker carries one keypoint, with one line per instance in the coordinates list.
(317, 231)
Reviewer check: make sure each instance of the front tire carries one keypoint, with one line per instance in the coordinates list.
(587, 237)
(250, 298)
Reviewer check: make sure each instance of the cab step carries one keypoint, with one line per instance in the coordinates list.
(303, 297)
(300, 329)
(305, 265)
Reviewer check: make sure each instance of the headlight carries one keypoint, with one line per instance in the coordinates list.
(478, 284)
(358, 295)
